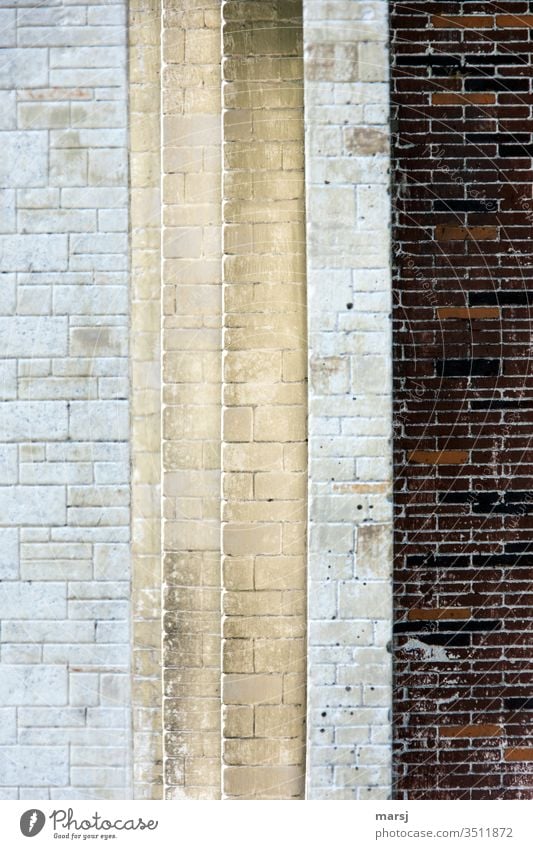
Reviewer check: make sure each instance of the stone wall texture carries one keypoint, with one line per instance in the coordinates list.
(349, 297)
(195, 316)
(265, 403)
(145, 367)
(192, 298)
(64, 469)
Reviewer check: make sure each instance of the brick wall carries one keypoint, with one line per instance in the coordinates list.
(348, 269)
(191, 163)
(264, 397)
(64, 494)
(145, 365)
(463, 199)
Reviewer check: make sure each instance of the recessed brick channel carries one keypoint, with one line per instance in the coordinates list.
(462, 102)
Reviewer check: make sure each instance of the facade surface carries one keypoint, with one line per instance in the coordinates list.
(163, 243)
(64, 468)
(463, 194)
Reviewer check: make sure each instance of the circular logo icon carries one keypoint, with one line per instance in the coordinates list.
(32, 822)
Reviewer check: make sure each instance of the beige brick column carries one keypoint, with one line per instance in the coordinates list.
(145, 224)
(264, 437)
(191, 396)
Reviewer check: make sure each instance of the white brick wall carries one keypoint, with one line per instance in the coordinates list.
(348, 243)
(64, 469)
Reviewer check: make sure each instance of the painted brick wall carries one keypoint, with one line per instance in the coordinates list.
(348, 270)
(64, 495)
(463, 405)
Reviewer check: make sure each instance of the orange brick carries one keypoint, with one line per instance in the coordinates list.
(468, 312)
(439, 613)
(453, 233)
(519, 755)
(514, 21)
(472, 731)
(448, 98)
(438, 458)
(464, 21)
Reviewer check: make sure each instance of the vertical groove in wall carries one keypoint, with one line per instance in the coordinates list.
(191, 397)
(264, 401)
(145, 227)
(349, 295)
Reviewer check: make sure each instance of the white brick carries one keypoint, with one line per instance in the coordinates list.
(107, 167)
(33, 420)
(88, 138)
(84, 688)
(8, 295)
(8, 35)
(32, 685)
(33, 337)
(34, 300)
(85, 57)
(98, 115)
(21, 653)
(9, 553)
(27, 505)
(37, 199)
(68, 167)
(47, 717)
(8, 108)
(98, 420)
(85, 77)
(93, 197)
(43, 116)
(8, 380)
(32, 600)
(57, 388)
(48, 632)
(115, 690)
(24, 160)
(98, 609)
(44, 766)
(67, 36)
(8, 722)
(24, 68)
(56, 473)
(106, 717)
(111, 562)
(39, 253)
(57, 221)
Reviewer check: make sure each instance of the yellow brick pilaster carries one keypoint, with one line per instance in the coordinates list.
(191, 396)
(264, 403)
(145, 225)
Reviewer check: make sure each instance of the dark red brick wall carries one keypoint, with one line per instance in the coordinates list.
(462, 102)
